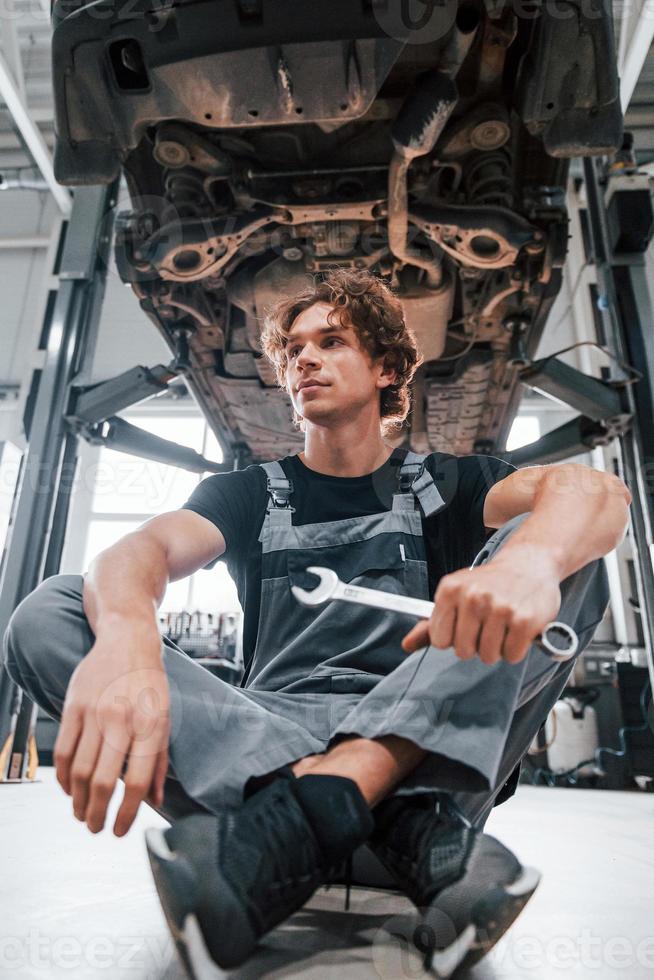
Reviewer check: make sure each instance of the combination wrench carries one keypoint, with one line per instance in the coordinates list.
(330, 587)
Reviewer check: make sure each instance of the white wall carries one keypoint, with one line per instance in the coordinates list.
(22, 214)
(126, 337)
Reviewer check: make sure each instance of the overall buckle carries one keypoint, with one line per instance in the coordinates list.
(409, 475)
(280, 493)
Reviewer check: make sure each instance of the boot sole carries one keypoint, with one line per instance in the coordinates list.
(176, 883)
(492, 915)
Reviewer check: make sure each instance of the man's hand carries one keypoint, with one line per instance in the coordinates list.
(495, 610)
(116, 711)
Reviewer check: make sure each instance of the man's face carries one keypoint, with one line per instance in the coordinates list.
(329, 375)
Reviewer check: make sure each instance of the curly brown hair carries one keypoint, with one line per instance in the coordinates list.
(366, 303)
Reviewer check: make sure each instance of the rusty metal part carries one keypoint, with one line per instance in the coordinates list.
(515, 286)
(482, 237)
(427, 313)
(297, 214)
(518, 327)
(367, 261)
(398, 223)
(180, 146)
(498, 37)
(190, 249)
(185, 191)
(416, 131)
(489, 179)
(167, 298)
(259, 293)
(284, 81)
(486, 127)
(568, 87)
(333, 238)
(424, 115)
(454, 407)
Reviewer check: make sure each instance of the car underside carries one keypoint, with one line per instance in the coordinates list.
(266, 142)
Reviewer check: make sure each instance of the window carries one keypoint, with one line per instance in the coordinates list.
(128, 490)
(126, 484)
(525, 430)
(10, 463)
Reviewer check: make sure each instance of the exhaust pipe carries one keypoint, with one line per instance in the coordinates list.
(416, 131)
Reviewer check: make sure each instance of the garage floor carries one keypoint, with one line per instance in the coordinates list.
(78, 905)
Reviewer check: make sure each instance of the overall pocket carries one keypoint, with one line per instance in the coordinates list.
(377, 559)
(355, 645)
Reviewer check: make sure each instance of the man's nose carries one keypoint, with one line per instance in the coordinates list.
(309, 354)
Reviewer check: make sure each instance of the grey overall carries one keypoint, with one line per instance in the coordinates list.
(318, 675)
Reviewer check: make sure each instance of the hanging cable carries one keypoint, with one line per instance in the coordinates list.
(637, 375)
(455, 357)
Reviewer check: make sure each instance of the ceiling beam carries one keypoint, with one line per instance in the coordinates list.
(11, 48)
(30, 133)
(25, 241)
(10, 141)
(628, 19)
(42, 113)
(636, 36)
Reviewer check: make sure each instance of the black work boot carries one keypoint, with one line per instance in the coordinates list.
(468, 886)
(225, 880)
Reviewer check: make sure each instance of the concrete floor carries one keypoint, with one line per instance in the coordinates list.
(78, 905)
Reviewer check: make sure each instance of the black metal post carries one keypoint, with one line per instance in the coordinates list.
(36, 535)
(623, 335)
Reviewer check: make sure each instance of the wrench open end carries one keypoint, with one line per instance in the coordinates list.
(323, 592)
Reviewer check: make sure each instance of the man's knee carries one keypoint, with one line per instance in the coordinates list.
(594, 572)
(37, 619)
(585, 593)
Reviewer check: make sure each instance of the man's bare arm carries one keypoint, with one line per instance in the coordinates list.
(117, 705)
(128, 580)
(576, 516)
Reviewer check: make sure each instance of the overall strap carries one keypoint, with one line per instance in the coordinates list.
(415, 481)
(279, 488)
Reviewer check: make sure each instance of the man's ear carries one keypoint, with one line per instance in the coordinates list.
(387, 376)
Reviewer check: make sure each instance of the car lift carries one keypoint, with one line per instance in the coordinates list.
(615, 407)
(54, 419)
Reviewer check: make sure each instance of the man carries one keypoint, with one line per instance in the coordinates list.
(352, 725)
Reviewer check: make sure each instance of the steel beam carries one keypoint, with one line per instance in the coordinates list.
(636, 39)
(566, 384)
(98, 402)
(622, 332)
(25, 241)
(573, 438)
(11, 48)
(30, 133)
(116, 433)
(33, 549)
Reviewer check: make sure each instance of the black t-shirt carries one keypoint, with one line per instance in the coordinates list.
(236, 503)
